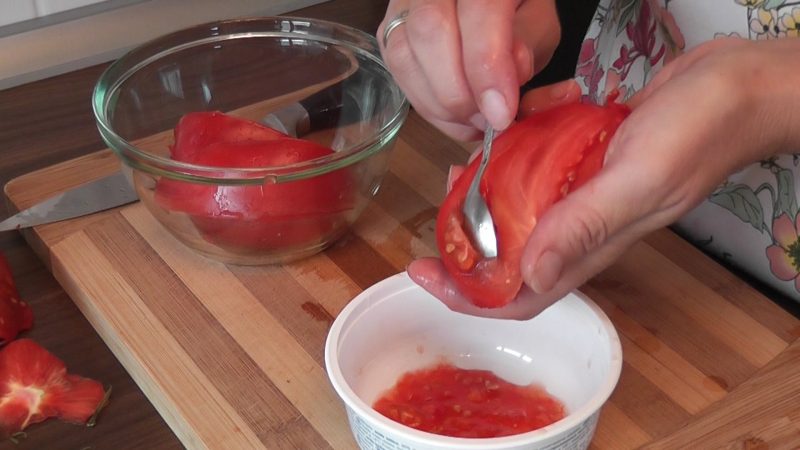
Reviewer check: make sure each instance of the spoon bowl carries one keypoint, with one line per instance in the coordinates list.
(477, 216)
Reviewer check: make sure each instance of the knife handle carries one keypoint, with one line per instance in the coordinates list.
(328, 108)
(321, 110)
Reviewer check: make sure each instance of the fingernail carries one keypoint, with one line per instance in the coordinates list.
(532, 66)
(545, 272)
(526, 69)
(559, 90)
(478, 121)
(495, 109)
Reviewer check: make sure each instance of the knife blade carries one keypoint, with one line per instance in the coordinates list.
(98, 195)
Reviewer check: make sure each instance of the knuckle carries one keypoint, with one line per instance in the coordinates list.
(589, 230)
(459, 104)
(482, 56)
(399, 56)
(427, 21)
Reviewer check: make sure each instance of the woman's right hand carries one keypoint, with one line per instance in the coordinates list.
(461, 63)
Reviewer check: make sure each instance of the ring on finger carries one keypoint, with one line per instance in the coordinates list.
(394, 23)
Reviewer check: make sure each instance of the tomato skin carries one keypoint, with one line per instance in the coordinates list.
(197, 130)
(317, 195)
(15, 315)
(534, 164)
(256, 217)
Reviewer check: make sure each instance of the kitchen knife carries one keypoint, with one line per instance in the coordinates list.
(317, 111)
(98, 195)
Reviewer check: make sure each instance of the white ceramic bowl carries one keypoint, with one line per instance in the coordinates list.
(571, 349)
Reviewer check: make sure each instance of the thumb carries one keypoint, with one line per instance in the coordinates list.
(584, 232)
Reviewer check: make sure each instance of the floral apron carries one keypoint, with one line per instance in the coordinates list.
(750, 221)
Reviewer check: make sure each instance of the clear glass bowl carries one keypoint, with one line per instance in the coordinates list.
(323, 79)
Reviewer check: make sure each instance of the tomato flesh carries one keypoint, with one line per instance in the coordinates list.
(534, 164)
(35, 386)
(197, 130)
(15, 315)
(451, 401)
(254, 217)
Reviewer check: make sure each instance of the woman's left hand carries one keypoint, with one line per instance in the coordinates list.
(707, 114)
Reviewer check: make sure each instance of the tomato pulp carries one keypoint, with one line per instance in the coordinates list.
(456, 402)
(534, 163)
(35, 386)
(254, 217)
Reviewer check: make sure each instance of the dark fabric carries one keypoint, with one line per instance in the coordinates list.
(575, 16)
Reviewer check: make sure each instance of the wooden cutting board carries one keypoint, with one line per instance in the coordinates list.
(232, 357)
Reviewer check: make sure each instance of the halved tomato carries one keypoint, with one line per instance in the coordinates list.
(254, 217)
(534, 164)
(197, 130)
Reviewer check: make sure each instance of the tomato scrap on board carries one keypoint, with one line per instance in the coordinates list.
(35, 386)
(451, 401)
(534, 163)
(15, 314)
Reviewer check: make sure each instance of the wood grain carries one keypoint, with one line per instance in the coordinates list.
(51, 121)
(244, 344)
(47, 122)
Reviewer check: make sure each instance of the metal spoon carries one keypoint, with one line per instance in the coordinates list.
(476, 212)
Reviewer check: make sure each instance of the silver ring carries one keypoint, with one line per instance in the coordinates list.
(394, 23)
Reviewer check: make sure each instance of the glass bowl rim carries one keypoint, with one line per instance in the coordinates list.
(109, 82)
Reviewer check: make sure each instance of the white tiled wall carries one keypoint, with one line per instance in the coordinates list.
(42, 38)
(47, 7)
(13, 11)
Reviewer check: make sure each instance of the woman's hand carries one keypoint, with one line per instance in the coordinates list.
(461, 63)
(431, 274)
(704, 116)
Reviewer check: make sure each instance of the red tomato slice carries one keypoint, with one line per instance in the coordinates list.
(534, 164)
(318, 195)
(35, 385)
(269, 233)
(15, 315)
(256, 217)
(195, 131)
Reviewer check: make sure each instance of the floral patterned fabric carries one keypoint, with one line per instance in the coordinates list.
(751, 221)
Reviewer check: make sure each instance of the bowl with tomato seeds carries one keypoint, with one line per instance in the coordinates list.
(413, 374)
(253, 141)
